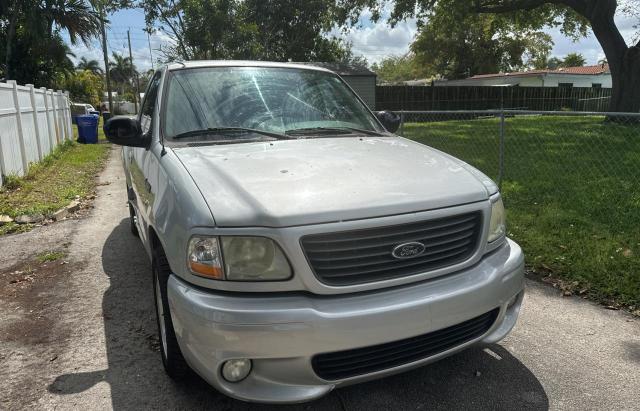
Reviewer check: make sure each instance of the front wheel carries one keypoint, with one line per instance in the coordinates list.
(172, 359)
(133, 221)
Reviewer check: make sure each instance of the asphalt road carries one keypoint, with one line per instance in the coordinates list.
(81, 334)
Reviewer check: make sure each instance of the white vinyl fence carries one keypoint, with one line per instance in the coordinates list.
(32, 123)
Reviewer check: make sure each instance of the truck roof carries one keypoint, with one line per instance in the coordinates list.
(242, 63)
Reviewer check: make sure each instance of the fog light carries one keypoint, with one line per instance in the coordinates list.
(236, 370)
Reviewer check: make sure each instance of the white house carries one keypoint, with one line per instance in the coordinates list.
(597, 76)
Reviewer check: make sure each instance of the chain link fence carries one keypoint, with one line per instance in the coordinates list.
(570, 182)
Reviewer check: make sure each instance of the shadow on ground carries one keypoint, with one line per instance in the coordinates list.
(479, 378)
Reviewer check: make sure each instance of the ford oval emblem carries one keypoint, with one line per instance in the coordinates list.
(408, 250)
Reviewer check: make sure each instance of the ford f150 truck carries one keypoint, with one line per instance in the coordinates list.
(297, 244)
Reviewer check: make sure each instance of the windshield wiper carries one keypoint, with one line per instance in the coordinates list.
(228, 130)
(332, 130)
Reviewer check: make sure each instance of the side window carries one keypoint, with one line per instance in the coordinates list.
(149, 104)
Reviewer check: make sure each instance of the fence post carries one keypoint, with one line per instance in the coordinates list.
(55, 116)
(46, 111)
(63, 121)
(3, 168)
(63, 134)
(52, 142)
(501, 161)
(23, 149)
(67, 116)
(32, 94)
(402, 123)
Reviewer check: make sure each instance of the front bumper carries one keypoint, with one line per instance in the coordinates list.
(281, 334)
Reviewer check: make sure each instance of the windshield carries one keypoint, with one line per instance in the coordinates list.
(275, 100)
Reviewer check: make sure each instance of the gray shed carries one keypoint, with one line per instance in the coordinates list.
(359, 78)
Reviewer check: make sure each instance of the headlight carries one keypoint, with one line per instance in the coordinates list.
(245, 259)
(497, 226)
(254, 259)
(204, 257)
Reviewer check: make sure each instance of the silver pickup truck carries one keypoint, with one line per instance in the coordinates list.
(298, 245)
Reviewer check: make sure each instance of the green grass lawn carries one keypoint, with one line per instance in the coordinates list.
(571, 186)
(69, 171)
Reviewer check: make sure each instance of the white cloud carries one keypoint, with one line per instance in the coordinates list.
(379, 40)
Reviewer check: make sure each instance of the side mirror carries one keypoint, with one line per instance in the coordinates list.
(125, 131)
(390, 120)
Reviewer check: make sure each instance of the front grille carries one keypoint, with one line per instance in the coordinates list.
(349, 363)
(363, 256)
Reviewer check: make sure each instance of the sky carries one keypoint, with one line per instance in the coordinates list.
(373, 40)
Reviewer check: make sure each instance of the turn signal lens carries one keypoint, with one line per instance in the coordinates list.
(497, 226)
(204, 257)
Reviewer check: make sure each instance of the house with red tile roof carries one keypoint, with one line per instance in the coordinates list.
(597, 76)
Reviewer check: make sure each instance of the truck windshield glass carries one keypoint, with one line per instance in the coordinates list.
(276, 100)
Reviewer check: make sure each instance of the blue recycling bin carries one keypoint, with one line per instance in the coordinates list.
(87, 129)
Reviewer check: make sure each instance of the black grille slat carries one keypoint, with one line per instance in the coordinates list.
(399, 360)
(408, 347)
(349, 363)
(370, 243)
(389, 231)
(393, 264)
(411, 340)
(356, 255)
(358, 262)
(362, 256)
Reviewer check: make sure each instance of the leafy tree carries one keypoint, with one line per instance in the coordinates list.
(573, 17)
(396, 69)
(294, 30)
(279, 30)
(574, 60)
(459, 44)
(571, 60)
(554, 63)
(35, 25)
(122, 72)
(90, 65)
(85, 86)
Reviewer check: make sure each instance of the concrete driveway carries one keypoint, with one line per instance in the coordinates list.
(80, 333)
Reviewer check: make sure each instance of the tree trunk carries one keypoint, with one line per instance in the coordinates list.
(624, 61)
(625, 96)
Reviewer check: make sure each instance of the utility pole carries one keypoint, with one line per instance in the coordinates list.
(133, 73)
(106, 56)
(150, 53)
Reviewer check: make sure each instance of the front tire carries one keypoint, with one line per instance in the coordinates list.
(172, 360)
(132, 221)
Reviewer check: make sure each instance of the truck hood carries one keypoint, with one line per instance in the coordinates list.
(310, 181)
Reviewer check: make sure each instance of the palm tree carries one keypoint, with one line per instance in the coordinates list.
(122, 71)
(45, 18)
(90, 65)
